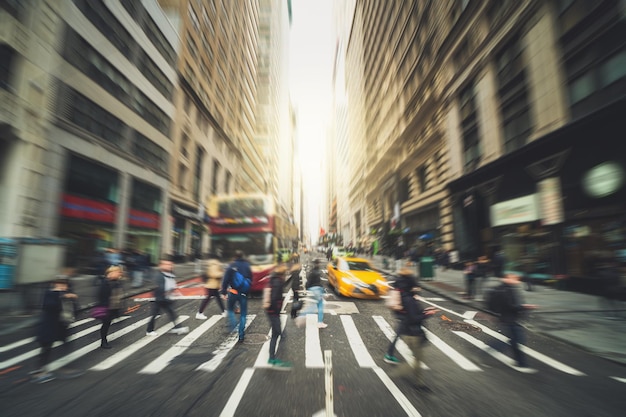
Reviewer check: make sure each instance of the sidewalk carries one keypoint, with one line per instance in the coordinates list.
(571, 317)
(83, 286)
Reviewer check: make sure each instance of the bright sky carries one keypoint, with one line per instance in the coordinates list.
(311, 59)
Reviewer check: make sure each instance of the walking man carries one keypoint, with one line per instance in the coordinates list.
(314, 285)
(411, 329)
(511, 310)
(165, 281)
(273, 313)
(234, 296)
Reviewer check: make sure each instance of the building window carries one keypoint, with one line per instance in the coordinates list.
(89, 179)
(7, 55)
(198, 173)
(182, 176)
(403, 190)
(469, 129)
(421, 179)
(184, 145)
(227, 181)
(595, 65)
(513, 93)
(149, 153)
(215, 173)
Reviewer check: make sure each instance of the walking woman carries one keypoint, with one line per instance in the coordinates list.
(215, 272)
(51, 326)
(110, 295)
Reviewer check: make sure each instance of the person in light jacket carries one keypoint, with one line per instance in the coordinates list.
(214, 274)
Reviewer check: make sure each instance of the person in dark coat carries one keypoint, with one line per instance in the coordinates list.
(273, 307)
(51, 326)
(110, 294)
(411, 330)
(296, 284)
(233, 296)
(165, 281)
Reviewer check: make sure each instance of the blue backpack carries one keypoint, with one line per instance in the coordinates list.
(239, 282)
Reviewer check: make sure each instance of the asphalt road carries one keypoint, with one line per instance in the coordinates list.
(336, 371)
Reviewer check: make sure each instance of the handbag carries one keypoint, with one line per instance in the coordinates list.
(99, 312)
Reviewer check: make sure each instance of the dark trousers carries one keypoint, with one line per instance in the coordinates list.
(392, 346)
(46, 351)
(211, 292)
(156, 309)
(516, 333)
(106, 324)
(275, 321)
(470, 282)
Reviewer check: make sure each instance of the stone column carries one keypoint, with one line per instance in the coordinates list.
(121, 217)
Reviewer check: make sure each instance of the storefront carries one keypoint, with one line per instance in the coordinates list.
(188, 231)
(421, 229)
(555, 206)
(88, 211)
(144, 219)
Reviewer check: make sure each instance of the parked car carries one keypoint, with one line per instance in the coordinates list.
(356, 277)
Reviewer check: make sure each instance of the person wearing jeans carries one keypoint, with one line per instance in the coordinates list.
(314, 285)
(234, 296)
(165, 285)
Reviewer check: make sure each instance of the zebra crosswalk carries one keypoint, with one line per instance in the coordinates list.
(342, 326)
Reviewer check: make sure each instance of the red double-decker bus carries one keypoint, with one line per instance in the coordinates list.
(245, 222)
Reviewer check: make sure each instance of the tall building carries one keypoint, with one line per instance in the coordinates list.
(274, 130)
(494, 125)
(87, 147)
(214, 148)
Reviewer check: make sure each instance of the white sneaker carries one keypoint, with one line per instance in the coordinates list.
(200, 316)
(225, 314)
(180, 330)
(152, 333)
(322, 325)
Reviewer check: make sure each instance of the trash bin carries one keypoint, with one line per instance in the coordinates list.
(8, 261)
(427, 267)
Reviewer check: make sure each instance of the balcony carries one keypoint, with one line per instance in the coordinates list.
(11, 111)
(13, 33)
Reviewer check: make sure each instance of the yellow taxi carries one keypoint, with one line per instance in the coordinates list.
(356, 277)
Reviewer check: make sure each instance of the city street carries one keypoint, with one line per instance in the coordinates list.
(468, 368)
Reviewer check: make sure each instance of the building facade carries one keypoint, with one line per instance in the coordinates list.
(494, 125)
(92, 163)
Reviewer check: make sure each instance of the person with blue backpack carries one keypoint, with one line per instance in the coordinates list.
(235, 288)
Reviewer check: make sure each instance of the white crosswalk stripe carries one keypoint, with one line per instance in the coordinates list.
(313, 350)
(126, 352)
(220, 353)
(34, 352)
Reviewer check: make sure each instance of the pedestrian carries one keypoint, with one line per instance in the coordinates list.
(110, 294)
(329, 254)
(295, 288)
(404, 274)
(165, 282)
(234, 296)
(314, 285)
(469, 273)
(481, 273)
(273, 306)
(512, 309)
(214, 274)
(51, 326)
(411, 329)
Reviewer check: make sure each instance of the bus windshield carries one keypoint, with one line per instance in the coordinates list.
(257, 247)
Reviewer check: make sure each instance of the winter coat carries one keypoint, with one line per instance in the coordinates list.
(276, 294)
(512, 307)
(314, 279)
(215, 273)
(110, 293)
(51, 328)
(240, 265)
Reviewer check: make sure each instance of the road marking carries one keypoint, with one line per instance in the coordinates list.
(237, 394)
(264, 354)
(28, 340)
(619, 379)
(175, 297)
(34, 352)
(313, 350)
(469, 315)
(220, 353)
(434, 299)
(61, 362)
(450, 352)
(496, 354)
(533, 353)
(126, 352)
(361, 354)
(398, 395)
(401, 346)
